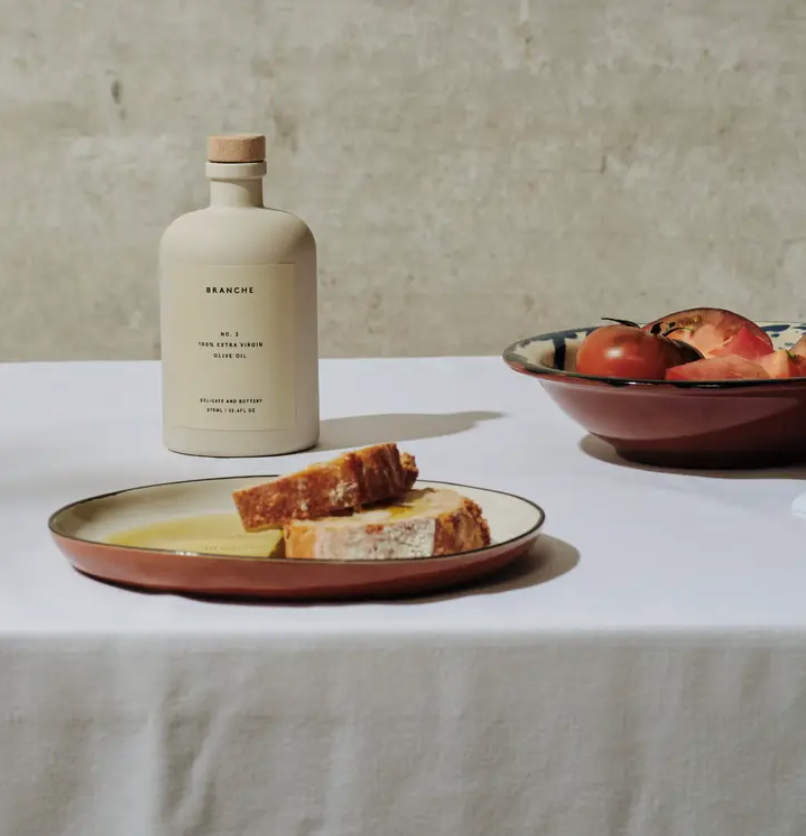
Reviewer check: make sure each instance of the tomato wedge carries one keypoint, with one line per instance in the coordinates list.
(799, 348)
(709, 330)
(718, 368)
(747, 344)
(783, 364)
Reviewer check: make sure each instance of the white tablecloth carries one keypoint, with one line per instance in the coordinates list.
(646, 675)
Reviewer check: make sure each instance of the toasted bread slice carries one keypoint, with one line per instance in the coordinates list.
(424, 523)
(353, 480)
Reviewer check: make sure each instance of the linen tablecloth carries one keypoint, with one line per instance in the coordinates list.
(644, 673)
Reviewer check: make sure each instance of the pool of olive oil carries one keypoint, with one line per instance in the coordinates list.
(218, 534)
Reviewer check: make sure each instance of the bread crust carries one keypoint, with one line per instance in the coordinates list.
(347, 483)
(462, 531)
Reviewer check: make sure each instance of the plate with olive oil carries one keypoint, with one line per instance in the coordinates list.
(187, 537)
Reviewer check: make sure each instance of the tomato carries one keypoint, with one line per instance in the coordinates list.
(799, 348)
(797, 365)
(746, 343)
(717, 368)
(626, 351)
(708, 329)
(783, 364)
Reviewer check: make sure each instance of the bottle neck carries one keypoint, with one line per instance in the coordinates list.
(236, 185)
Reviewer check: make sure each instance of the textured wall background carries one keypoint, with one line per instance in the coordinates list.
(474, 170)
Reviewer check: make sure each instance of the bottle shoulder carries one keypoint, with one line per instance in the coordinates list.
(245, 234)
(182, 222)
(285, 217)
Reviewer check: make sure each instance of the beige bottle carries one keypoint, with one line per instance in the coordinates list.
(238, 317)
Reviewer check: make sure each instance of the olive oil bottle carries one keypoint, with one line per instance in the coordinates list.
(238, 317)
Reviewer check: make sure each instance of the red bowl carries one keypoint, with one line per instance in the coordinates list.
(735, 423)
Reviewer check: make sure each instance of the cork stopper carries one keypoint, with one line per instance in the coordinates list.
(236, 148)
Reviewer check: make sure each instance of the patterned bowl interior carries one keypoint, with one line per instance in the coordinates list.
(554, 355)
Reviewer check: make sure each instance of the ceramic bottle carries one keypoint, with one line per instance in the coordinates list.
(238, 317)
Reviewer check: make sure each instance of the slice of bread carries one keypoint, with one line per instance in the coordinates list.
(348, 483)
(423, 523)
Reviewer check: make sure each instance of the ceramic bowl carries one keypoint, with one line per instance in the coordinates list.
(194, 544)
(735, 423)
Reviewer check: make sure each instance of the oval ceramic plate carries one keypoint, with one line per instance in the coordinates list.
(186, 537)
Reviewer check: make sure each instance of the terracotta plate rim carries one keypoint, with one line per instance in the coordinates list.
(53, 527)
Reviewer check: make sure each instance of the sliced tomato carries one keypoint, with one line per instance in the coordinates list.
(799, 348)
(783, 364)
(747, 344)
(717, 368)
(709, 330)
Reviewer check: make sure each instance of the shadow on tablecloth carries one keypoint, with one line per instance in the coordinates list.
(604, 452)
(364, 430)
(549, 559)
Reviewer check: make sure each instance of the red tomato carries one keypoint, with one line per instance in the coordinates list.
(747, 344)
(707, 329)
(799, 348)
(783, 364)
(627, 352)
(717, 368)
(797, 365)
